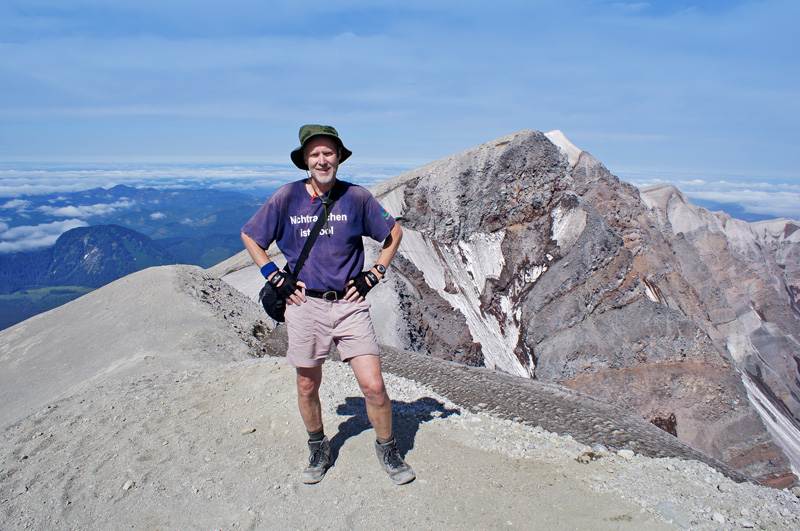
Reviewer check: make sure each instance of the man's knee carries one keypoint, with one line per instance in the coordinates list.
(308, 382)
(307, 392)
(367, 369)
(375, 391)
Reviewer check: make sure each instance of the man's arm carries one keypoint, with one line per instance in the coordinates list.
(390, 245)
(257, 253)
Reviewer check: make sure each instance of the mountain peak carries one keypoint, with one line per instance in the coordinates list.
(526, 256)
(572, 151)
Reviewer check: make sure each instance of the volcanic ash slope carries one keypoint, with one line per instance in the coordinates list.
(163, 420)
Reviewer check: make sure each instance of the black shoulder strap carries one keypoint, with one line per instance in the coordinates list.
(312, 237)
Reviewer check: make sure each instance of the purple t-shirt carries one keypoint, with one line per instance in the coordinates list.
(338, 254)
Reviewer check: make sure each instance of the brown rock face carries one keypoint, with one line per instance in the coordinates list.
(707, 405)
(531, 258)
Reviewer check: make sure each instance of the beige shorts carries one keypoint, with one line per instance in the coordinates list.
(313, 325)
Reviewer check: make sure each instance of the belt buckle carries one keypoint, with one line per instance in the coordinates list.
(330, 296)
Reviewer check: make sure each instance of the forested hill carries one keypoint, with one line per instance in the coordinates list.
(85, 256)
(130, 229)
(198, 226)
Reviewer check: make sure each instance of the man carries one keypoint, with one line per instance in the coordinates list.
(326, 302)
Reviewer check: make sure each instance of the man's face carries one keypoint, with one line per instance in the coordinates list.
(322, 157)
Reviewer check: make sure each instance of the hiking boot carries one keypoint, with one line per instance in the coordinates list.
(318, 461)
(393, 464)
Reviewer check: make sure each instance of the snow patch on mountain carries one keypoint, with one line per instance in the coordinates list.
(568, 225)
(526, 278)
(781, 427)
(459, 273)
(572, 151)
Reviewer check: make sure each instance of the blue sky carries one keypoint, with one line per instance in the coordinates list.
(702, 94)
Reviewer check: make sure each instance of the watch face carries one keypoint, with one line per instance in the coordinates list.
(380, 269)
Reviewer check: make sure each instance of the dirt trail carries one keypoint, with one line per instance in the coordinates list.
(221, 447)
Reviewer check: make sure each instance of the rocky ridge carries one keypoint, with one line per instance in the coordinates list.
(527, 255)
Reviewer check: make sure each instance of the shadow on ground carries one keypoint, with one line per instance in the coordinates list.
(406, 420)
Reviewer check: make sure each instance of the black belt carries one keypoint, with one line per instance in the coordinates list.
(330, 296)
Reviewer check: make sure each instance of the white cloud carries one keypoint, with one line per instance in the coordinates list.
(35, 237)
(86, 210)
(29, 179)
(20, 180)
(16, 204)
(755, 196)
(20, 190)
(158, 215)
(767, 195)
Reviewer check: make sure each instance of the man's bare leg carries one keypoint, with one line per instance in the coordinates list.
(379, 410)
(367, 370)
(309, 380)
(308, 383)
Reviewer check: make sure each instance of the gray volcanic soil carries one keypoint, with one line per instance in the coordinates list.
(139, 406)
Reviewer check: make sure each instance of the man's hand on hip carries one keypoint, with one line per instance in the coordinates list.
(360, 286)
(288, 287)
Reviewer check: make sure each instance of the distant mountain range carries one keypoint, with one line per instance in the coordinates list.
(129, 229)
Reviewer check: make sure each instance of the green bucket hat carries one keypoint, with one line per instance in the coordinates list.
(306, 132)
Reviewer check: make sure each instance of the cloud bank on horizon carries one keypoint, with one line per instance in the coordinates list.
(36, 206)
(34, 237)
(680, 91)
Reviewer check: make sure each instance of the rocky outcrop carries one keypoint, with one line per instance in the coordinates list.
(752, 283)
(526, 255)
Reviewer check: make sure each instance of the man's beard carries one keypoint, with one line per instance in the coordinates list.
(323, 179)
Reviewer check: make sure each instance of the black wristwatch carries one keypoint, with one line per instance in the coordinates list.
(380, 268)
(276, 278)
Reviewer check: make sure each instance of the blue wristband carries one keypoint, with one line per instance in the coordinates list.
(268, 269)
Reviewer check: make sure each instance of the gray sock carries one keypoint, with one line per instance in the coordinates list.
(316, 436)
